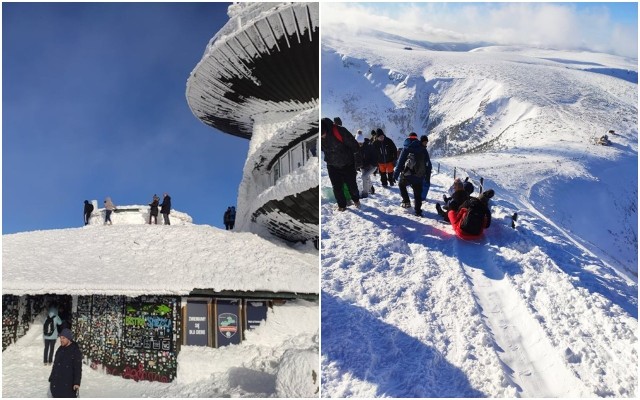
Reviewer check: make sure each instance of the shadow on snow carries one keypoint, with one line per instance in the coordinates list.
(373, 351)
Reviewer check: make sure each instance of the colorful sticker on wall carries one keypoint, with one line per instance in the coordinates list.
(228, 324)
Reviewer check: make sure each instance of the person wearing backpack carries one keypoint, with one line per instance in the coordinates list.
(412, 168)
(369, 163)
(473, 217)
(50, 334)
(340, 150)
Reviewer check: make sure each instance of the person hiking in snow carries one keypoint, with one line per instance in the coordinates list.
(232, 217)
(66, 373)
(369, 163)
(165, 208)
(50, 334)
(412, 168)
(454, 202)
(88, 209)
(426, 183)
(386, 153)
(153, 210)
(109, 207)
(340, 148)
(473, 216)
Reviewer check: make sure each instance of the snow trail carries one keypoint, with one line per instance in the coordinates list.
(529, 358)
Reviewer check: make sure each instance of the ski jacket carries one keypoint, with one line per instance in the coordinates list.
(108, 204)
(369, 155)
(386, 151)
(165, 207)
(457, 199)
(456, 218)
(66, 371)
(227, 216)
(88, 208)
(412, 146)
(154, 206)
(338, 145)
(56, 322)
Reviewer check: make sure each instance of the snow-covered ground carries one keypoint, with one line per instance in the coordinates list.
(548, 309)
(278, 359)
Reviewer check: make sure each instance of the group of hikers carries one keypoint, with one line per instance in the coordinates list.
(345, 155)
(154, 206)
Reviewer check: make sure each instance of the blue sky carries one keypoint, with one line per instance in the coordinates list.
(93, 105)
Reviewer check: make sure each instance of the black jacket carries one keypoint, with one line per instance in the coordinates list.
(165, 207)
(338, 152)
(457, 199)
(88, 208)
(154, 207)
(369, 155)
(66, 371)
(386, 151)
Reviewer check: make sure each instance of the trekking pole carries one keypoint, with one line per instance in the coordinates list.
(454, 173)
(438, 168)
(481, 184)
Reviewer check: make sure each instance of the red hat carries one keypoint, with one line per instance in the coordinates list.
(413, 135)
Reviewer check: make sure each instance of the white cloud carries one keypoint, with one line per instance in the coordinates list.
(562, 26)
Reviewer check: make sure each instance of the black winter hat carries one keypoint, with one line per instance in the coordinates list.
(424, 138)
(337, 121)
(379, 132)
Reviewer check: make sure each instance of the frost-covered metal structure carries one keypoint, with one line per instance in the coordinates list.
(259, 79)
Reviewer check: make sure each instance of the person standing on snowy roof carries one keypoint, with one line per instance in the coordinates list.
(369, 163)
(50, 334)
(153, 211)
(340, 149)
(88, 209)
(109, 207)
(226, 218)
(413, 174)
(66, 373)
(387, 153)
(165, 208)
(232, 217)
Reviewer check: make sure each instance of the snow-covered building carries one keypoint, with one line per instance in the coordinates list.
(136, 293)
(259, 80)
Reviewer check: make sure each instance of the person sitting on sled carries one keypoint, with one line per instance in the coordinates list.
(472, 217)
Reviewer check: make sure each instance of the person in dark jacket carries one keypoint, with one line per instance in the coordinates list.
(458, 197)
(386, 153)
(165, 208)
(153, 210)
(369, 163)
(88, 209)
(413, 178)
(426, 182)
(66, 373)
(226, 218)
(340, 148)
(232, 217)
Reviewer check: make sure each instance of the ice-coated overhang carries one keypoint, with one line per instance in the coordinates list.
(268, 65)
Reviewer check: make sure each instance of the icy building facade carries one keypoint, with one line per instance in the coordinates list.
(259, 80)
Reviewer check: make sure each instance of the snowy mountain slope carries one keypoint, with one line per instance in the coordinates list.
(409, 310)
(251, 369)
(533, 113)
(547, 310)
